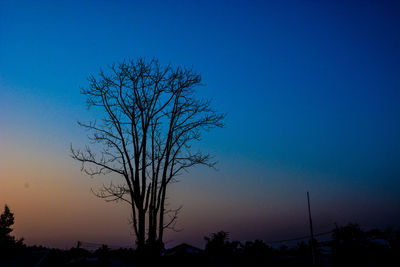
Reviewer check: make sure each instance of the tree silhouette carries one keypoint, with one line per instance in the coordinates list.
(150, 119)
(350, 245)
(6, 222)
(219, 246)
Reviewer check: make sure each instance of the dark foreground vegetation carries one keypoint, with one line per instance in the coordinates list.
(349, 246)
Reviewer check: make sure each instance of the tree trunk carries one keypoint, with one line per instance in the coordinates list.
(152, 230)
(141, 230)
(161, 220)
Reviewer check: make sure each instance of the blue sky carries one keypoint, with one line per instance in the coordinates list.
(311, 90)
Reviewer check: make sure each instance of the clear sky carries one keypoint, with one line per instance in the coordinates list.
(311, 89)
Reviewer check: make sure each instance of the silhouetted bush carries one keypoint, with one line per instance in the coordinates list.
(103, 251)
(353, 246)
(219, 247)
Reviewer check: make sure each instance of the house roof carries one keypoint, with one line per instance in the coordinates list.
(182, 249)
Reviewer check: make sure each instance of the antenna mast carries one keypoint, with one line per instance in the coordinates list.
(311, 230)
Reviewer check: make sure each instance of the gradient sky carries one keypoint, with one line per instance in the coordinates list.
(311, 89)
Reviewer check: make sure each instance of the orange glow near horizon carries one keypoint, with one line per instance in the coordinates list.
(52, 202)
(53, 205)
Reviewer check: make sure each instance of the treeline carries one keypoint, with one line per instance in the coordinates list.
(349, 245)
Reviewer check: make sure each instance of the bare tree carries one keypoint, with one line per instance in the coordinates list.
(151, 119)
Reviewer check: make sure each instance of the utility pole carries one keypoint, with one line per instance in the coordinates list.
(311, 230)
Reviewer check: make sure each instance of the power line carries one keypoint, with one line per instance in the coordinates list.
(298, 238)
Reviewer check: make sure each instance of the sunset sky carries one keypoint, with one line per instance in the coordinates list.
(312, 95)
